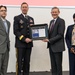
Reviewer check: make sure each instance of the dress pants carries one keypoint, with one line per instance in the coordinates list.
(23, 61)
(56, 62)
(4, 57)
(71, 63)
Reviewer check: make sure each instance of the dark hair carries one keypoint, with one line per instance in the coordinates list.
(24, 3)
(74, 15)
(55, 8)
(3, 6)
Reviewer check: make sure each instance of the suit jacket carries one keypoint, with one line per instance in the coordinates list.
(69, 36)
(21, 27)
(4, 37)
(56, 36)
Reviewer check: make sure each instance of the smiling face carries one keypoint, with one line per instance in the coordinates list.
(24, 8)
(55, 12)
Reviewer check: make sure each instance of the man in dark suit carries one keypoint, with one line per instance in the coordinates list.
(56, 41)
(70, 41)
(4, 40)
(23, 41)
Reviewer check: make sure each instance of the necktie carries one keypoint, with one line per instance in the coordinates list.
(6, 27)
(52, 25)
(26, 17)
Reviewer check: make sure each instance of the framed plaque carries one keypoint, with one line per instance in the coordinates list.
(39, 31)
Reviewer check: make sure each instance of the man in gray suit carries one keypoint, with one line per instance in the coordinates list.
(4, 40)
(56, 41)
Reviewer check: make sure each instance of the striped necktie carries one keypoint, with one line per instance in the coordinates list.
(52, 25)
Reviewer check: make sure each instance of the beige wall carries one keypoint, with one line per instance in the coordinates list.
(40, 60)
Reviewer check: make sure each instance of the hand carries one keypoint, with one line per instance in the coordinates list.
(27, 40)
(45, 40)
(31, 24)
(72, 50)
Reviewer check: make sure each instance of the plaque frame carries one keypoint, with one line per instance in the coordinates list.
(36, 27)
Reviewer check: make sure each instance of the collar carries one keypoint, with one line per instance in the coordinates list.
(3, 19)
(24, 14)
(55, 20)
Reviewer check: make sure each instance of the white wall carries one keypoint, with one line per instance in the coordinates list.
(40, 60)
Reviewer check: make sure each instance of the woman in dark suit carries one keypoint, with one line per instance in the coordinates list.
(70, 41)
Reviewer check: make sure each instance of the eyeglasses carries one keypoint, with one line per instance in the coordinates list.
(3, 10)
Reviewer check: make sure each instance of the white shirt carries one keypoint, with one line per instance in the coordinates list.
(55, 20)
(24, 14)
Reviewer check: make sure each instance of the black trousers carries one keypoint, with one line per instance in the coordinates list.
(56, 62)
(23, 61)
(71, 63)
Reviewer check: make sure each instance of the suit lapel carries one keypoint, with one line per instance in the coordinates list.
(71, 29)
(2, 25)
(22, 17)
(25, 20)
(49, 27)
(8, 24)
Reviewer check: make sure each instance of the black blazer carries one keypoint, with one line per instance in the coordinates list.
(69, 36)
(20, 27)
(56, 36)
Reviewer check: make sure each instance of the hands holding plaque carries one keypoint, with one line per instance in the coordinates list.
(45, 40)
(27, 40)
(39, 32)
